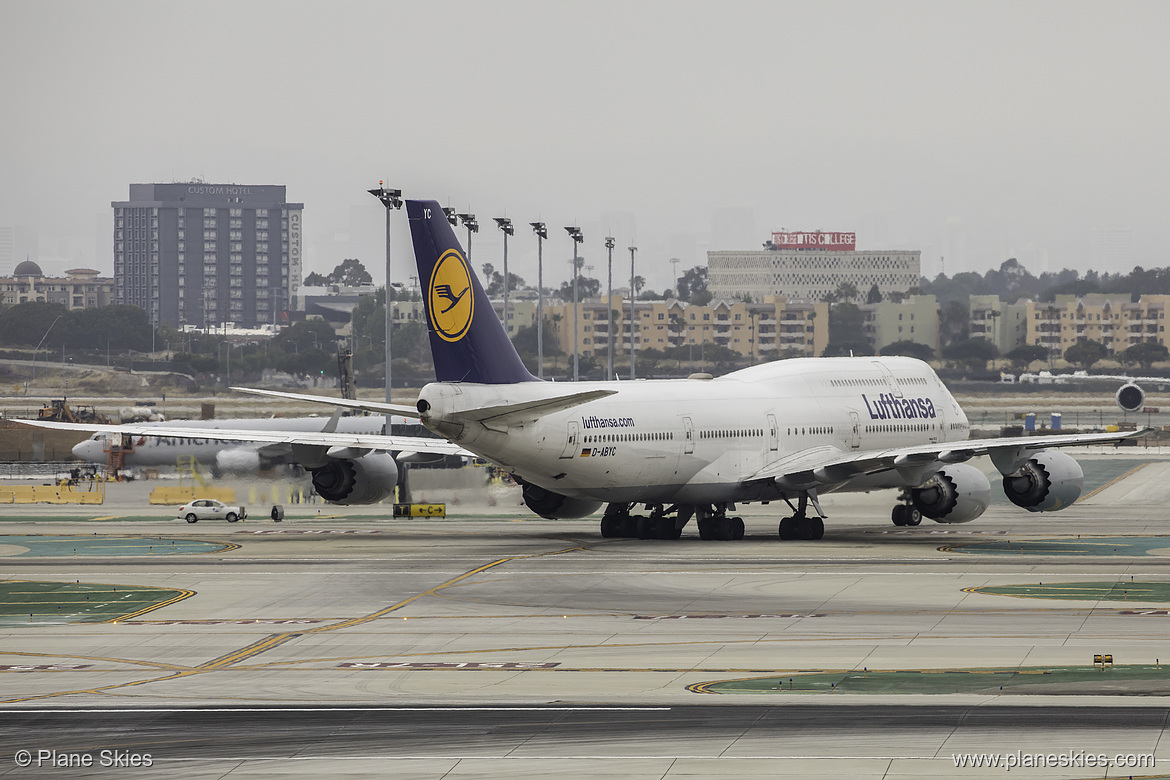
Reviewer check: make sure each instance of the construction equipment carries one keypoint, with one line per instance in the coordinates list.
(57, 410)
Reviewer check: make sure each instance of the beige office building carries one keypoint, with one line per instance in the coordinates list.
(914, 319)
(1110, 319)
(80, 288)
(765, 331)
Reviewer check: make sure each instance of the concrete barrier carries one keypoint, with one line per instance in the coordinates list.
(174, 496)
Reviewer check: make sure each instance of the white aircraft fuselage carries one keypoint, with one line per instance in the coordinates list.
(692, 441)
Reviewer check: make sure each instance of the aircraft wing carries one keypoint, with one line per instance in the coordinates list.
(403, 410)
(271, 437)
(829, 465)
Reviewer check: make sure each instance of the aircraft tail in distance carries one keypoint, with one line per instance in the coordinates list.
(468, 341)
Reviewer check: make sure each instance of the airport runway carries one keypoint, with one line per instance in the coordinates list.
(489, 647)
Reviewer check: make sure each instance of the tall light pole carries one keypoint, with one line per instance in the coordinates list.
(577, 236)
(674, 261)
(633, 249)
(391, 199)
(472, 227)
(609, 245)
(505, 225)
(541, 234)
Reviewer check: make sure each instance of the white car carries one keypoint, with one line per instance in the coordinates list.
(210, 509)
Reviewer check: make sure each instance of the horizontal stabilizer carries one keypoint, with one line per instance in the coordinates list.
(402, 410)
(527, 411)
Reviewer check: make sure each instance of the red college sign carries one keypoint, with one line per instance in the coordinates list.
(837, 242)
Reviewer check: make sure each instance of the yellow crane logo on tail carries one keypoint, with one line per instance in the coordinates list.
(451, 303)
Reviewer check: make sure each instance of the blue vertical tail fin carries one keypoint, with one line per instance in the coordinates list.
(468, 341)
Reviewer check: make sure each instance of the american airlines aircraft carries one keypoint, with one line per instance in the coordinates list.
(239, 456)
(790, 430)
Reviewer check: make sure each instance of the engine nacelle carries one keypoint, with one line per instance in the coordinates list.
(364, 480)
(1130, 397)
(1047, 482)
(238, 460)
(957, 493)
(554, 506)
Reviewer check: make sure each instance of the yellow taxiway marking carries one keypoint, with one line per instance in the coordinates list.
(276, 640)
(1112, 482)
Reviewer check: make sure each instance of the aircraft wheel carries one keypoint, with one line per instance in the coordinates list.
(814, 528)
(191, 518)
(231, 517)
(737, 529)
(668, 529)
(788, 528)
(628, 528)
(913, 516)
(705, 530)
(645, 528)
(611, 526)
(898, 514)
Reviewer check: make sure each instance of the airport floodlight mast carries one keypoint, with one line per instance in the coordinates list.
(449, 213)
(610, 243)
(541, 234)
(633, 249)
(577, 236)
(392, 200)
(505, 225)
(472, 227)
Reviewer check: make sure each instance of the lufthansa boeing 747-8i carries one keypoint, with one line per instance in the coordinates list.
(786, 431)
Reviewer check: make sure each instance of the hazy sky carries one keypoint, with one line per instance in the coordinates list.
(976, 130)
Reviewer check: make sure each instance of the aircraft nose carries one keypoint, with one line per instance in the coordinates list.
(85, 450)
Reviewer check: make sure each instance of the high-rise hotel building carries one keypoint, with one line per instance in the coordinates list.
(202, 254)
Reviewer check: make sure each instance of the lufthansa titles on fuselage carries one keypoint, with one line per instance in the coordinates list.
(594, 421)
(887, 407)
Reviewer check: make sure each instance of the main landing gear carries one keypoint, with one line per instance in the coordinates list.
(668, 522)
(800, 525)
(906, 513)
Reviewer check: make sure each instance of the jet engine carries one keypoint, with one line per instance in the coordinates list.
(957, 493)
(364, 480)
(1130, 397)
(1048, 481)
(238, 460)
(554, 506)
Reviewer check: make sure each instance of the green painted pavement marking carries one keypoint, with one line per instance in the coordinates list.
(69, 546)
(1087, 545)
(1082, 591)
(49, 603)
(1137, 680)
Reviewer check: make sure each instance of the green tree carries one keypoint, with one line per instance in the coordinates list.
(692, 282)
(847, 331)
(1085, 353)
(874, 295)
(972, 353)
(909, 349)
(1025, 355)
(1146, 354)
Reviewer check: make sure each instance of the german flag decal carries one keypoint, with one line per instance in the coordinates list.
(585, 453)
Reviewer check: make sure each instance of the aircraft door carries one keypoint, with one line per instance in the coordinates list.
(572, 440)
(891, 380)
(855, 441)
(773, 434)
(688, 436)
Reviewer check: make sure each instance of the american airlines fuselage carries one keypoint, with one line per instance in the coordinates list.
(692, 442)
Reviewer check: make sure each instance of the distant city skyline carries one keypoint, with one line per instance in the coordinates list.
(970, 131)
